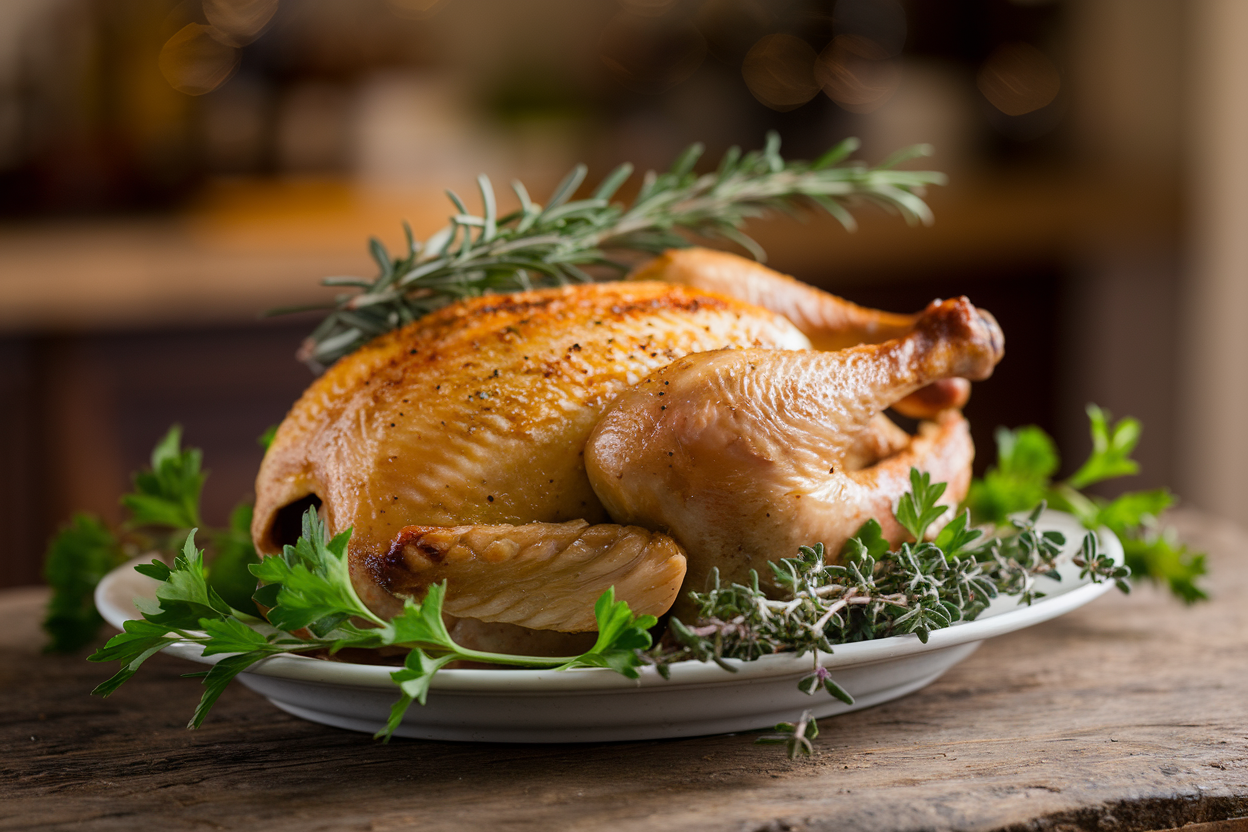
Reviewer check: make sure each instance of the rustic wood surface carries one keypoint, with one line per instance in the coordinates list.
(1131, 713)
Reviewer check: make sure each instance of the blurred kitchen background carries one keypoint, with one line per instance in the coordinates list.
(169, 170)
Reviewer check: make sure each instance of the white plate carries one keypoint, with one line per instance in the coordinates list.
(598, 705)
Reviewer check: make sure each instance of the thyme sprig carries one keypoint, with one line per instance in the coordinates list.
(562, 241)
(877, 591)
(795, 737)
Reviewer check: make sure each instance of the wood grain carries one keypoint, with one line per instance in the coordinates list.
(1129, 714)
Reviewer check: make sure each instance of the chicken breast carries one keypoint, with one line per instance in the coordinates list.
(479, 413)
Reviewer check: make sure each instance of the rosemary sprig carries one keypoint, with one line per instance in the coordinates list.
(556, 243)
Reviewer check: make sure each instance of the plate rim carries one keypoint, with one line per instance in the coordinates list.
(689, 673)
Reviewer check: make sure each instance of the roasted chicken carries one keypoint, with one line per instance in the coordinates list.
(533, 449)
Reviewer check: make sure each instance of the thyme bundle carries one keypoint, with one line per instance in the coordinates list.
(876, 591)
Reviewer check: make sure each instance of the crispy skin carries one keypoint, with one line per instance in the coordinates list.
(473, 422)
(543, 575)
(830, 322)
(479, 413)
(745, 455)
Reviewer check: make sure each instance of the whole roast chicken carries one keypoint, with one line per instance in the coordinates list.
(534, 449)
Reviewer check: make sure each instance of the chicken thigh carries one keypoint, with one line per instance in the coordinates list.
(743, 454)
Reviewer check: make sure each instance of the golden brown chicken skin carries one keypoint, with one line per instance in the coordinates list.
(479, 413)
(455, 447)
(830, 322)
(740, 454)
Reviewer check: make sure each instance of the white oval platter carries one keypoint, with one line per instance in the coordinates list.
(598, 705)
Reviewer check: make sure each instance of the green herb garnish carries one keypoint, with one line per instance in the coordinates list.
(1027, 460)
(554, 244)
(161, 508)
(795, 737)
(308, 587)
(874, 591)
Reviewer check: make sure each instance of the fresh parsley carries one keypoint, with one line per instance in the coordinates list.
(162, 506)
(1027, 461)
(308, 592)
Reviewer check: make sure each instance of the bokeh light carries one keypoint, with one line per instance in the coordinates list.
(779, 70)
(195, 62)
(239, 22)
(1018, 79)
(857, 73)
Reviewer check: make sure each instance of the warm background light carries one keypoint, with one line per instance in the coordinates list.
(1018, 78)
(779, 70)
(194, 61)
(239, 22)
(651, 54)
(857, 74)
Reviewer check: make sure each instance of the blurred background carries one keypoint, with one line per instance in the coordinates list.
(170, 170)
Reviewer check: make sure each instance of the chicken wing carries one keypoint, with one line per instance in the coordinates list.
(545, 576)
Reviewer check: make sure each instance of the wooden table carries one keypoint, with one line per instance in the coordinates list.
(1131, 713)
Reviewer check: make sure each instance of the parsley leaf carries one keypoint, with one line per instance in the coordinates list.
(217, 679)
(266, 439)
(1026, 460)
(620, 635)
(957, 537)
(309, 586)
(1156, 553)
(78, 557)
(316, 590)
(165, 498)
(229, 635)
(422, 623)
(868, 541)
(413, 681)
(139, 641)
(1022, 477)
(184, 598)
(229, 573)
(167, 494)
(1111, 450)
